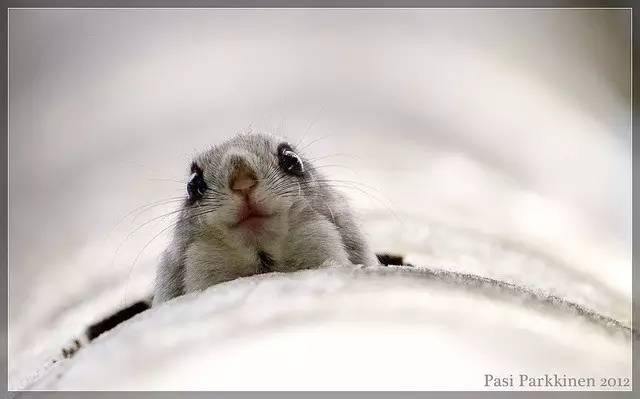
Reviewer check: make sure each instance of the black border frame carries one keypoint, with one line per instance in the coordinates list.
(11, 4)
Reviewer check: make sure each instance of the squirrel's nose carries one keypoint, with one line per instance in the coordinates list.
(243, 180)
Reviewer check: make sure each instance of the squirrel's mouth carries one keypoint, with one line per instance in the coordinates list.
(252, 218)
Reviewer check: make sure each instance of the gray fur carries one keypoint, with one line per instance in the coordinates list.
(313, 225)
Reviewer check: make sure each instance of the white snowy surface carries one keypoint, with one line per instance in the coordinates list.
(488, 142)
(341, 328)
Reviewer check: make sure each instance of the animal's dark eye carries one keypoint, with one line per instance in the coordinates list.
(196, 186)
(289, 161)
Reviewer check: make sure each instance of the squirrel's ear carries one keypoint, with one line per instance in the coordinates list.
(195, 168)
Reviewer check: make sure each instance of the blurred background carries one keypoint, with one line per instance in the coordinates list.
(496, 142)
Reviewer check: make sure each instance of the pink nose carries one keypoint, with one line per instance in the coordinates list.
(243, 181)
